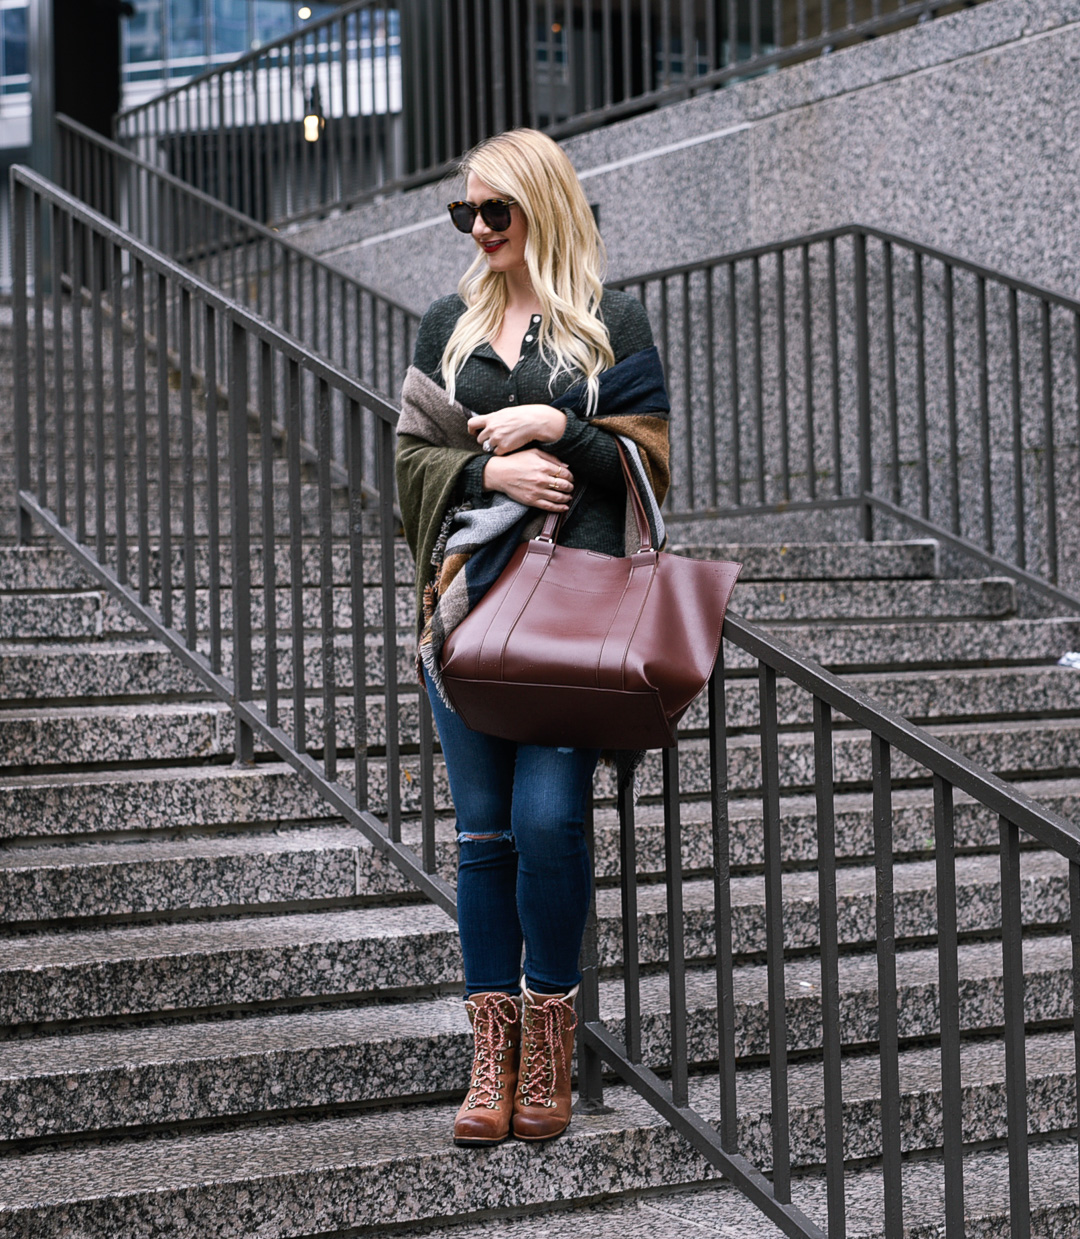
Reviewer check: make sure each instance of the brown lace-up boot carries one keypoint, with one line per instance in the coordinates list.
(542, 1100)
(484, 1117)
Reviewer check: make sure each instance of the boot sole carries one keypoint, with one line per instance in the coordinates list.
(541, 1139)
(465, 1142)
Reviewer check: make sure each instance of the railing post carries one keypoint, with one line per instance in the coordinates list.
(862, 347)
(590, 1066)
(19, 215)
(241, 535)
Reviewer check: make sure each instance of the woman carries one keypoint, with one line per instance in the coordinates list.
(520, 385)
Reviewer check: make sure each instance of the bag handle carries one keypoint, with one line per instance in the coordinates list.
(554, 520)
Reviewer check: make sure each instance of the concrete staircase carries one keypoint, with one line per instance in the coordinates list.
(222, 1013)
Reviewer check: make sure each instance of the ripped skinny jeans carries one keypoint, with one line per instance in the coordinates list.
(524, 872)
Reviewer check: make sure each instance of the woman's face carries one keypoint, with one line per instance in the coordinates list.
(505, 250)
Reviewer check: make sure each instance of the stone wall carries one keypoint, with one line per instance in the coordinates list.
(963, 132)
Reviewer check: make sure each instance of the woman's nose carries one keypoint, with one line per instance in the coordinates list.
(479, 228)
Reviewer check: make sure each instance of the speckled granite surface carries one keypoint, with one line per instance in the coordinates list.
(89, 973)
(115, 1078)
(810, 561)
(149, 799)
(83, 974)
(399, 1165)
(721, 1210)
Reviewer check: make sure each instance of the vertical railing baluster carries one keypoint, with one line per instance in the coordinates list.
(952, 1111)
(38, 292)
(862, 373)
(1013, 982)
(628, 889)
(733, 379)
(23, 237)
(357, 585)
(188, 457)
(590, 1065)
(710, 388)
(78, 384)
(920, 389)
(831, 1033)
(1019, 518)
(267, 400)
(759, 375)
(688, 391)
(774, 931)
(326, 578)
(725, 968)
(834, 367)
(782, 376)
(950, 397)
(985, 448)
(675, 929)
(294, 412)
(1049, 453)
(57, 239)
(142, 480)
(97, 284)
(244, 744)
(387, 525)
(890, 372)
(888, 1044)
(161, 332)
(213, 489)
(808, 375)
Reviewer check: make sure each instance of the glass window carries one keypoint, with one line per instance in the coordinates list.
(229, 29)
(14, 43)
(186, 29)
(142, 33)
(273, 18)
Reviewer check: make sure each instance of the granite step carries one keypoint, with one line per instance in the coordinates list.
(47, 568)
(1011, 749)
(28, 615)
(819, 561)
(48, 803)
(398, 1166)
(141, 800)
(721, 1210)
(199, 1072)
(50, 734)
(869, 648)
(197, 965)
(180, 870)
(51, 567)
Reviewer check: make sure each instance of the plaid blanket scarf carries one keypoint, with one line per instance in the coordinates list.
(466, 547)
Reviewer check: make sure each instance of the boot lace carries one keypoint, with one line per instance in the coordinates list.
(544, 1049)
(493, 1021)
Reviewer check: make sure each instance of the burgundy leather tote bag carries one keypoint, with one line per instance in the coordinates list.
(573, 647)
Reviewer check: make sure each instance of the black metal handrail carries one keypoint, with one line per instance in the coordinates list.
(396, 92)
(358, 328)
(161, 544)
(317, 654)
(857, 368)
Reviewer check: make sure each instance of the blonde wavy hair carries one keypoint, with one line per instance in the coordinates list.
(563, 253)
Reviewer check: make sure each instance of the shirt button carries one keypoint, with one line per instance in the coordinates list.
(512, 399)
(536, 318)
(528, 339)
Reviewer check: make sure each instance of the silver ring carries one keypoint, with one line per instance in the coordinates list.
(486, 445)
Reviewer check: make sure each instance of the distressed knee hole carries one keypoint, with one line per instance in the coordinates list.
(498, 836)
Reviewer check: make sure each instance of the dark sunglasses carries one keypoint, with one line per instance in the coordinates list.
(495, 212)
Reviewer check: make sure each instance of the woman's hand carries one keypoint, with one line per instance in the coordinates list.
(508, 429)
(532, 477)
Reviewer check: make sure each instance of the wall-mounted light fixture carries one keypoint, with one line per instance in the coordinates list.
(314, 120)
